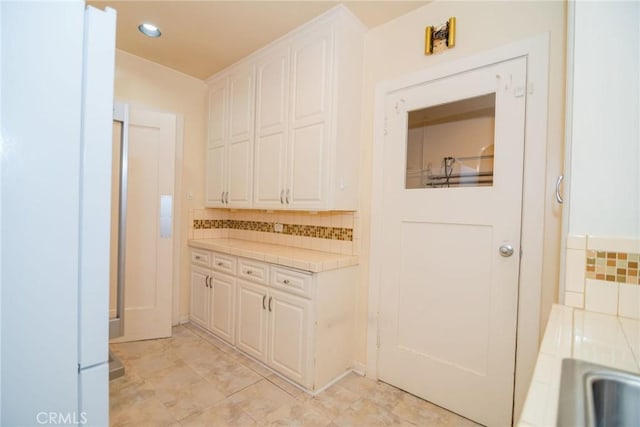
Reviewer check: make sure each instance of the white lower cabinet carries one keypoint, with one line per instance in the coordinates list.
(213, 300)
(288, 334)
(222, 302)
(199, 296)
(252, 319)
(297, 323)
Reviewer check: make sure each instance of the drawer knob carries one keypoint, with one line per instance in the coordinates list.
(197, 256)
(286, 281)
(249, 272)
(220, 264)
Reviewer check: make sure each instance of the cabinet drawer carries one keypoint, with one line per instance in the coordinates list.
(253, 270)
(225, 263)
(202, 258)
(293, 281)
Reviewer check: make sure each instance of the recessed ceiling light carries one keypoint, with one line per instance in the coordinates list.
(149, 30)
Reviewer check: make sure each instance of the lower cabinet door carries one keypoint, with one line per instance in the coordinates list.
(222, 300)
(289, 333)
(199, 296)
(251, 319)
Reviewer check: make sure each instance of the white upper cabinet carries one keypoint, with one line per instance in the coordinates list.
(229, 160)
(216, 144)
(272, 111)
(310, 124)
(301, 123)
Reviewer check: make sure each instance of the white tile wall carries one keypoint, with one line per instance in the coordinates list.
(601, 296)
(574, 270)
(613, 244)
(576, 241)
(629, 301)
(574, 299)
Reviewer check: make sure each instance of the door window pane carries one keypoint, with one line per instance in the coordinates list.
(451, 145)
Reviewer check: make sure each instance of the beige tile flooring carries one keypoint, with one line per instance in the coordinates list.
(192, 379)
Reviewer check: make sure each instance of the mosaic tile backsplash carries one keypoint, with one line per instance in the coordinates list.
(333, 233)
(620, 267)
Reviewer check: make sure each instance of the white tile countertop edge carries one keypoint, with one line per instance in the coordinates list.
(288, 256)
(593, 337)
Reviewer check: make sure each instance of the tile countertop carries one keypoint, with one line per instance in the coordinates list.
(594, 337)
(289, 256)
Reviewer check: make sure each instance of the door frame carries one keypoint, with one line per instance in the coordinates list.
(536, 51)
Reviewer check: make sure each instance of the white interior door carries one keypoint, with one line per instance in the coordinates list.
(149, 228)
(452, 209)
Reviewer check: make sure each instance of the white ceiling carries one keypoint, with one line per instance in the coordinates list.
(200, 38)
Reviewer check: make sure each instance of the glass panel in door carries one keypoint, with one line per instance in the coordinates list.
(451, 145)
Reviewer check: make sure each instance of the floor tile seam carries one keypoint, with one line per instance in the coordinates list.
(281, 388)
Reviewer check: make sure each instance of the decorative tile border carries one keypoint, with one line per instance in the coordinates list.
(331, 233)
(620, 267)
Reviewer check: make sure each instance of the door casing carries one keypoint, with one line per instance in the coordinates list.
(536, 51)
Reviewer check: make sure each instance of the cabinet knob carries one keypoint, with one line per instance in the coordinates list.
(249, 272)
(197, 256)
(220, 264)
(287, 196)
(286, 281)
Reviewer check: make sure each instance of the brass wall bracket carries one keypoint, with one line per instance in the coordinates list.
(440, 39)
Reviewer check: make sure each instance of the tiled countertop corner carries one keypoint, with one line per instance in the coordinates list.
(304, 259)
(593, 337)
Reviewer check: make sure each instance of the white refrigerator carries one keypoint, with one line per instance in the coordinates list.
(56, 110)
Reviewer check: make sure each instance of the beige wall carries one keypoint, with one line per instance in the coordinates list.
(396, 48)
(144, 83)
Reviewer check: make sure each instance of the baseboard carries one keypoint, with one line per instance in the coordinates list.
(359, 368)
(330, 383)
(183, 319)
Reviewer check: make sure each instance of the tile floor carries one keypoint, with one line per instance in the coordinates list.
(192, 379)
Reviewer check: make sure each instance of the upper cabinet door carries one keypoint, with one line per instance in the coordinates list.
(217, 113)
(215, 166)
(215, 176)
(240, 137)
(272, 103)
(241, 103)
(311, 66)
(311, 73)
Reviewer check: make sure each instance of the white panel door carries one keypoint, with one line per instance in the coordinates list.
(148, 256)
(251, 325)
(221, 316)
(448, 308)
(289, 331)
(311, 89)
(200, 301)
(272, 103)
